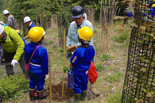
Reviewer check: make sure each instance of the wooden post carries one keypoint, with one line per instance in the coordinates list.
(50, 76)
(63, 61)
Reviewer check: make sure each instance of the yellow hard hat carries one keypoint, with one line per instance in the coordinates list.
(153, 5)
(17, 31)
(85, 33)
(36, 33)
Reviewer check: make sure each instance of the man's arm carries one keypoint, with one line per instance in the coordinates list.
(9, 23)
(68, 41)
(19, 42)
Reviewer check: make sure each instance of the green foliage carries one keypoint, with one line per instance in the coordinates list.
(104, 57)
(66, 69)
(95, 31)
(122, 37)
(13, 85)
(54, 47)
(115, 98)
(100, 67)
(114, 77)
(111, 67)
(61, 50)
(1, 7)
(50, 42)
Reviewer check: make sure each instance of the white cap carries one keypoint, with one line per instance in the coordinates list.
(1, 29)
(85, 16)
(5, 12)
(44, 33)
(27, 19)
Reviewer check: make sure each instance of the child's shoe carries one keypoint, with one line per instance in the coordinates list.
(32, 94)
(75, 99)
(40, 95)
(83, 95)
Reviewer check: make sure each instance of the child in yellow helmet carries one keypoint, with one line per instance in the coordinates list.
(81, 61)
(37, 57)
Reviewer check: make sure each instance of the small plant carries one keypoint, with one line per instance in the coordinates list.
(116, 97)
(115, 77)
(50, 42)
(61, 50)
(122, 36)
(13, 86)
(111, 67)
(54, 47)
(95, 31)
(66, 69)
(99, 67)
(105, 57)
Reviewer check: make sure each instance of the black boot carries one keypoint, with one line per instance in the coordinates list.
(32, 94)
(83, 95)
(40, 95)
(76, 99)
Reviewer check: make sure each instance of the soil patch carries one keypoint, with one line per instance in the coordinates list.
(57, 92)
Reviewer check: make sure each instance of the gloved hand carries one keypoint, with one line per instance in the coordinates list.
(13, 62)
(46, 76)
(1, 22)
(68, 55)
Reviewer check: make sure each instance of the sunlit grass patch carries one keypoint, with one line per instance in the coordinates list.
(114, 77)
(105, 57)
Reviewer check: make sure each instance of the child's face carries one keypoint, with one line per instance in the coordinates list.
(42, 39)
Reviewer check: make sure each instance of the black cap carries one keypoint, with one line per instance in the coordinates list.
(77, 11)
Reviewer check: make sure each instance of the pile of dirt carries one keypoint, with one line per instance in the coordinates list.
(57, 92)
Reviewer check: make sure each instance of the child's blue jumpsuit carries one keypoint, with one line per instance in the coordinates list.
(81, 71)
(38, 65)
(31, 26)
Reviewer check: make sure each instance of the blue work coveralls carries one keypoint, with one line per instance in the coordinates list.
(38, 65)
(81, 71)
(31, 26)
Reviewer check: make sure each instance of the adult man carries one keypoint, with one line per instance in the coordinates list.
(127, 15)
(11, 20)
(72, 38)
(29, 23)
(13, 47)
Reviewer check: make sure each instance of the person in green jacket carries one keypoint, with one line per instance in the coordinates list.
(13, 48)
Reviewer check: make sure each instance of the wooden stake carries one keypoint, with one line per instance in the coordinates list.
(63, 61)
(50, 76)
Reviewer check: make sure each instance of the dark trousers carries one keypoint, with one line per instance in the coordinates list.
(8, 58)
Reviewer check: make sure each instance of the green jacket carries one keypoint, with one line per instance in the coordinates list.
(13, 43)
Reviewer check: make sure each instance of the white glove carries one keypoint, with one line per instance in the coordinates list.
(47, 76)
(1, 22)
(13, 62)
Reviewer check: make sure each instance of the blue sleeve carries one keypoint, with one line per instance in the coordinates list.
(26, 57)
(75, 58)
(44, 61)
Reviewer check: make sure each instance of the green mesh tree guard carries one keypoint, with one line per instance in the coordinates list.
(139, 82)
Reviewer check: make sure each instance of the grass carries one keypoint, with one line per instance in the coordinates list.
(110, 61)
(114, 77)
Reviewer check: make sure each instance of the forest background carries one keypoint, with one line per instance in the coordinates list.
(57, 13)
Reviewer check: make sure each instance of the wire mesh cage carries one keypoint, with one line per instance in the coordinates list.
(139, 82)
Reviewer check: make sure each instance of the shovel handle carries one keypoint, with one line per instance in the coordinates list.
(7, 63)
